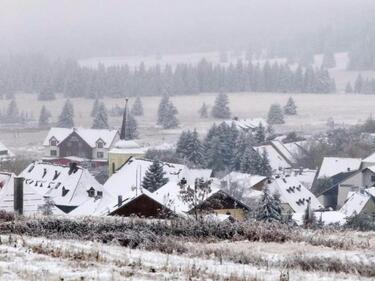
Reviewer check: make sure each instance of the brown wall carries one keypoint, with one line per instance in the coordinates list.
(74, 145)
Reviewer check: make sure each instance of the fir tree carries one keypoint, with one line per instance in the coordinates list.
(270, 209)
(358, 84)
(101, 118)
(265, 167)
(309, 219)
(131, 129)
(95, 108)
(12, 113)
(243, 141)
(163, 108)
(203, 111)
(154, 177)
(137, 109)
(290, 108)
(275, 115)
(220, 109)
(260, 134)
(44, 117)
(66, 117)
(349, 88)
(251, 162)
(167, 117)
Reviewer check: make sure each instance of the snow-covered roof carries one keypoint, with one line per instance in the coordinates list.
(305, 176)
(5, 153)
(243, 179)
(277, 161)
(281, 148)
(91, 136)
(63, 185)
(370, 159)
(6, 180)
(94, 207)
(294, 193)
(357, 201)
(332, 166)
(248, 124)
(127, 147)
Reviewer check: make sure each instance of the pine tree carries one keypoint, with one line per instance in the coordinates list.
(195, 149)
(12, 113)
(358, 84)
(243, 141)
(349, 88)
(251, 162)
(260, 134)
(290, 108)
(270, 209)
(44, 117)
(203, 111)
(309, 219)
(46, 94)
(265, 167)
(167, 114)
(137, 109)
(220, 109)
(95, 108)
(101, 118)
(154, 177)
(163, 108)
(66, 117)
(131, 129)
(275, 115)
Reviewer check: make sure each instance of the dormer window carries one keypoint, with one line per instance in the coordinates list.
(91, 192)
(100, 143)
(53, 142)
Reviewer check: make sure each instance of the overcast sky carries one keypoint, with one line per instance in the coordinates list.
(82, 28)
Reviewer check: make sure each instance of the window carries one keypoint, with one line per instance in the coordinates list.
(99, 154)
(53, 152)
(100, 144)
(53, 142)
(373, 178)
(91, 192)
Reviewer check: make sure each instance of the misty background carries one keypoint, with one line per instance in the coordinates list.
(86, 28)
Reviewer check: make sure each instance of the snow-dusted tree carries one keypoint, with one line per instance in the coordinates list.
(349, 88)
(243, 141)
(195, 196)
(203, 111)
(154, 177)
(275, 115)
(309, 219)
(270, 207)
(131, 129)
(290, 108)
(47, 208)
(358, 84)
(167, 114)
(137, 109)
(44, 117)
(221, 109)
(190, 148)
(101, 118)
(67, 115)
(95, 108)
(12, 113)
(260, 134)
(46, 94)
(251, 162)
(265, 167)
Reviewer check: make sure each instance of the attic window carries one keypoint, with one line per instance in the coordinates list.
(100, 144)
(99, 194)
(91, 192)
(53, 142)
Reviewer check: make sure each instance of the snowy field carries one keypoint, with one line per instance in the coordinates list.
(39, 259)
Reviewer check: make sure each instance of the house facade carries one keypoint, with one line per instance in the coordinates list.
(84, 146)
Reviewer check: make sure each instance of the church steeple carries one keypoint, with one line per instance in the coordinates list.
(124, 119)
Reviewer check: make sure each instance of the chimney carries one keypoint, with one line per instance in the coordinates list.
(119, 200)
(18, 195)
(72, 167)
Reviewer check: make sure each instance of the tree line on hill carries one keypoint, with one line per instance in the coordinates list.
(361, 86)
(36, 74)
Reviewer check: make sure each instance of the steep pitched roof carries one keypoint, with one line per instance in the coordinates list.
(277, 161)
(91, 136)
(5, 154)
(370, 158)
(332, 166)
(294, 193)
(357, 201)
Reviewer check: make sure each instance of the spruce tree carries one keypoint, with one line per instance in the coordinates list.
(131, 129)
(260, 134)
(12, 113)
(265, 167)
(95, 108)
(349, 88)
(167, 116)
(101, 118)
(270, 209)
(251, 162)
(290, 108)
(154, 177)
(137, 109)
(243, 141)
(275, 115)
(203, 111)
(163, 108)
(221, 109)
(44, 117)
(67, 115)
(358, 84)
(195, 149)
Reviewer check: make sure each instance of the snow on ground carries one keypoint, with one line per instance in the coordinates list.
(44, 259)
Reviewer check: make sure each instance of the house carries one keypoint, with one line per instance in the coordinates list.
(5, 153)
(6, 181)
(281, 155)
(248, 125)
(79, 145)
(254, 182)
(294, 196)
(67, 187)
(369, 161)
(360, 202)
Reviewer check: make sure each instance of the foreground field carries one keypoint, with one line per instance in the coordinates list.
(137, 249)
(313, 112)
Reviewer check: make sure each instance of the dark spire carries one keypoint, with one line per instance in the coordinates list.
(124, 118)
